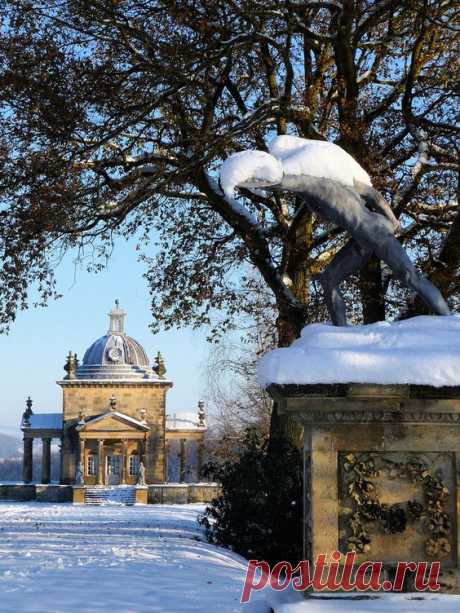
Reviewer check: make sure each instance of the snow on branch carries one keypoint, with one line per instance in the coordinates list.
(422, 159)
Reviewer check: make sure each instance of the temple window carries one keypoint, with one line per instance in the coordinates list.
(91, 466)
(133, 465)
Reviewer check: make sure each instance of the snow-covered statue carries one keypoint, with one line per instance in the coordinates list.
(79, 480)
(337, 189)
(141, 474)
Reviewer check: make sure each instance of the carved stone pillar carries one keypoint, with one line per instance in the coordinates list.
(167, 451)
(46, 460)
(124, 462)
(82, 459)
(182, 460)
(403, 443)
(27, 462)
(100, 462)
(199, 459)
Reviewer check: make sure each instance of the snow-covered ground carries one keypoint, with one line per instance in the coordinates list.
(64, 558)
(60, 558)
(397, 603)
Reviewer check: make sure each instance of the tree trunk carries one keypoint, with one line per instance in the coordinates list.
(371, 289)
(288, 324)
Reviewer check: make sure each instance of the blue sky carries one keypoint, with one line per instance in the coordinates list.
(33, 354)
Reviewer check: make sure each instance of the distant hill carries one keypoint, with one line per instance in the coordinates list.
(10, 447)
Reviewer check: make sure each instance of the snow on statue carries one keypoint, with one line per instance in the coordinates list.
(335, 187)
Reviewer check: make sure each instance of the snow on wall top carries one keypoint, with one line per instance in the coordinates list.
(420, 351)
(183, 421)
(46, 421)
(290, 158)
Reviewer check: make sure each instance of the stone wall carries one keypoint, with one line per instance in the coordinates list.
(157, 494)
(182, 493)
(40, 493)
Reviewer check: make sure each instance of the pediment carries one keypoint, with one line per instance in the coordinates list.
(112, 422)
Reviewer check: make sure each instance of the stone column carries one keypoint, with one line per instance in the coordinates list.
(100, 462)
(167, 450)
(46, 460)
(124, 462)
(182, 459)
(27, 462)
(82, 459)
(140, 451)
(199, 459)
(61, 471)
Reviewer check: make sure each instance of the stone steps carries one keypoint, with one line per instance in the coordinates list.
(110, 495)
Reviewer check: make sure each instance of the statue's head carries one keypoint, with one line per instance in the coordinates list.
(249, 169)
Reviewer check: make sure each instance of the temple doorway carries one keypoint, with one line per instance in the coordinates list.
(113, 470)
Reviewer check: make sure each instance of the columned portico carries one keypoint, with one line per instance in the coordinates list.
(184, 449)
(112, 446)
(45, 426)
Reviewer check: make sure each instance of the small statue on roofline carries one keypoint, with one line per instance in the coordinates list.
(337, 189)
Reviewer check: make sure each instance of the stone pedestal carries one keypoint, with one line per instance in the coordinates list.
(141, 494)
(381, 470)
(78, 494)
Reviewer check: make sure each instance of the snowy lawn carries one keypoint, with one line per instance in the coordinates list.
(386, 603)
(64, 558)
(60, 558)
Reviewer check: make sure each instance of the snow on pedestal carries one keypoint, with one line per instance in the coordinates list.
(423, 350)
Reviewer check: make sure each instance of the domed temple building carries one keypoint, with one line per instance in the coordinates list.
(113, 429)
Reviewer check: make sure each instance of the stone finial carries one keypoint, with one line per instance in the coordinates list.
(27, 413)
(143, 414)
(81, 419)
(201, 415)
(112, 403)
(159, 367)
(71, 366)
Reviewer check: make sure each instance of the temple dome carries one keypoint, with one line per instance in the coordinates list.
(116, 355)
(113, 349)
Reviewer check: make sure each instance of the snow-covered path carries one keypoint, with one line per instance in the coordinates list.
(60, 558)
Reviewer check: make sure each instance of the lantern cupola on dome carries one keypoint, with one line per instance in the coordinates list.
(116, 356)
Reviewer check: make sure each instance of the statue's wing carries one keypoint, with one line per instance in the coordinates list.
(301, 157)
